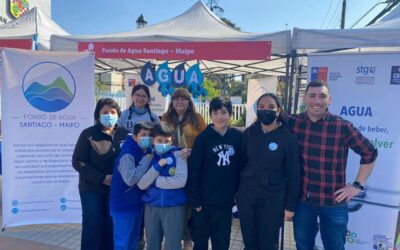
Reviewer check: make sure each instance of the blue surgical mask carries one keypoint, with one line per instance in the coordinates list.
(145, 142)
(108, 120)
(162, 148)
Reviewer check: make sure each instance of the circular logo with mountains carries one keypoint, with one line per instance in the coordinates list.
(49, 86)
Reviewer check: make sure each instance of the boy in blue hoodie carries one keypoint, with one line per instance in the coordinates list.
(126, 206)
(164, 197)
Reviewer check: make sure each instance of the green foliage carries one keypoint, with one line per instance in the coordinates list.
(230, 23)
(211, 88)
(241, 122)
(238, 88)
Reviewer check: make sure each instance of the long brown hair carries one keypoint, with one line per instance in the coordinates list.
(190, 116)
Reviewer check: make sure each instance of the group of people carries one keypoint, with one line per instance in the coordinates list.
(176, 178)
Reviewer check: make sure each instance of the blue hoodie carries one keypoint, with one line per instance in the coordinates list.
(124, 198)
(165, 185)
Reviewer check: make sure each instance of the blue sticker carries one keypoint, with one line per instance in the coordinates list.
(63, 207)
(273, 146)
(63, 200)
(14, 210)
(14, 203)
(148, 74)
(169, 160)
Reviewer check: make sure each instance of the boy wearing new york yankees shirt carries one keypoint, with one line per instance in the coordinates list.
(213, 178)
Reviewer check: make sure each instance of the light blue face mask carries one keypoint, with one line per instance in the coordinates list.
(162, 148)
(145, 142)
(108, 120)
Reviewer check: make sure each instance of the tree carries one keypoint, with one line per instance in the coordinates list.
(211, 88)
(230, 23)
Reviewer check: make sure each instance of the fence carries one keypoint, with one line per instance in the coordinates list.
(119, 97)
(239, 112)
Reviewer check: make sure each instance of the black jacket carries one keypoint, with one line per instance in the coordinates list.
(272, 164)
(94, 155)
(214, 169)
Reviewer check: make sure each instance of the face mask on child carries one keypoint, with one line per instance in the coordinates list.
(162, 148)
(108, 120)
(266, 116)
(145, 142)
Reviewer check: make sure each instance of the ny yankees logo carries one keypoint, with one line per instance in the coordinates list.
(223, 157)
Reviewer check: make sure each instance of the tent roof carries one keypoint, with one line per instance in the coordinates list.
(384, 33)
(197, 24)
(35, 22)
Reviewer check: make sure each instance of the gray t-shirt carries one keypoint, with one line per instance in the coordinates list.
(128, 124)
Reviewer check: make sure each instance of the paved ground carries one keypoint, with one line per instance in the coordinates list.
(67, 236)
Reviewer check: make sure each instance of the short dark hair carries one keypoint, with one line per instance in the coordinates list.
(220, 102)
(105, 102)
(162, 130)
(142, 126)
(316, 84)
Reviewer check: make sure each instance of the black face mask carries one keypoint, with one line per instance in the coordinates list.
(266, 116)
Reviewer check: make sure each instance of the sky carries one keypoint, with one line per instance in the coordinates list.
(81, 17)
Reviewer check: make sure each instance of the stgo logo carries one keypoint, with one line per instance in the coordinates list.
(395, 75)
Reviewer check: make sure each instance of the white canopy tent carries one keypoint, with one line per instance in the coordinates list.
(385, 33)
(197, 24)
(381, 36)
(33, 25)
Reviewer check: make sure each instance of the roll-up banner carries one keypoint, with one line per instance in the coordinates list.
(365, 89)
(47, 100)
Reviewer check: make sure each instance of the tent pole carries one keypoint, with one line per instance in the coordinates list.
(285, 94)
(290, 87)
(296, 95)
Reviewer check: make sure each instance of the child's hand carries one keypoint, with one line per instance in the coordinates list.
(162, 162)
(107, 180)
(185, 153)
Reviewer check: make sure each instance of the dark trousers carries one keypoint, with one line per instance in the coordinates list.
(332, 225)
(214, 224)
(97, 224)
(260, 220)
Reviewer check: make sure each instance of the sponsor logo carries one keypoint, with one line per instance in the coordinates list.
(395, 75)
(319, 73)
(366, 70)
(51, 91)
(365, 75)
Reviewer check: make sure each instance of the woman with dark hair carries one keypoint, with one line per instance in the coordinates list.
(187, 125)
(93, 158)
(270, 178)
(139, 110)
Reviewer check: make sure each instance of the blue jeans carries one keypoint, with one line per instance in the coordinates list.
(97, 226)
(127, 231)
(332, 225)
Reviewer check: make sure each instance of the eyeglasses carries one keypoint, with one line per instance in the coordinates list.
(180, 98)
(141, 96)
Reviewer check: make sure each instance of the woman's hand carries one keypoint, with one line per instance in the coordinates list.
(107, 180)
(288, 215)
(185, 153)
